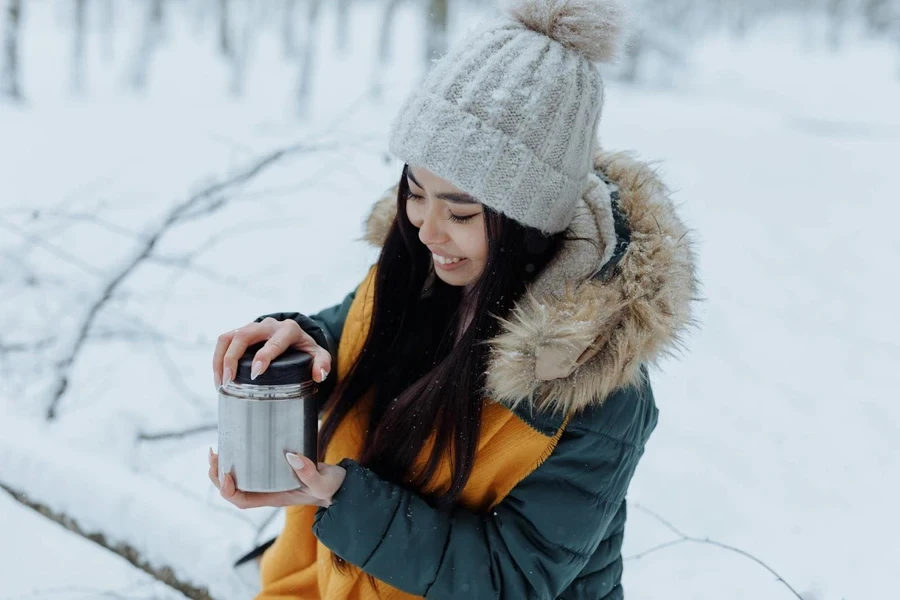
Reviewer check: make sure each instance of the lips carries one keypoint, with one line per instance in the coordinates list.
(446, 260)
(442, 263)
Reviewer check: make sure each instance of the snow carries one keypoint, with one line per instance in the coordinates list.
(47, 568)
(778, 430)
(192, 535)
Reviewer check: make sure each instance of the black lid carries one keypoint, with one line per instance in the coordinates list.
(294, 366)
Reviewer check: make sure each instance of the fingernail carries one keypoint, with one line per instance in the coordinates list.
(295, 461)
(226, 376)
(217, 381)
(210, 454)
(323, 373)
(254, 371)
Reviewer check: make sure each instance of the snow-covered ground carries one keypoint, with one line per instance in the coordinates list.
(779, 430)
(62, 565)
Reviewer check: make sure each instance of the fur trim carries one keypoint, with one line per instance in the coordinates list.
(571, 340)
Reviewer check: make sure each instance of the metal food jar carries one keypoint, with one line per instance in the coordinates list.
(262, 419)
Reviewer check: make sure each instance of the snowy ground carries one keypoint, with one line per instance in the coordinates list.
(778, 435)
(51, 569)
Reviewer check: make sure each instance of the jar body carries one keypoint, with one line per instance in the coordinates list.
(258, 425)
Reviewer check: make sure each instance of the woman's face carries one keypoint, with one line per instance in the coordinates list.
(451, 225)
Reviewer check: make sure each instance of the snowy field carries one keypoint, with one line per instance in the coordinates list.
(164, 218)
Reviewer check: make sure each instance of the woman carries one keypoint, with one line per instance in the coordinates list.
(491, 400)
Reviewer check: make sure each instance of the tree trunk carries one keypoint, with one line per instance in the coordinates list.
(384, 47)
(342, 24)
(836, 15)
(436, 30)
(151, 36)
(108, 28)
(224, 28)
(78, 35)
(288, 35)
(9, 61)
(305, 77)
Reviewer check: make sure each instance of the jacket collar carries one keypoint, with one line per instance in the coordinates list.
(595, 314)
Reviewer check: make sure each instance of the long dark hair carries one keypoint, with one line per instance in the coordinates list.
(422, 382)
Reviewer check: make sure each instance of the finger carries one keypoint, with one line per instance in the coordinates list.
(214, 478)
(241, 339)
(214, 468)
(288, 334)
(257, 499)
(308, 474)
(321, 365)
(222, 344)
(282, 338)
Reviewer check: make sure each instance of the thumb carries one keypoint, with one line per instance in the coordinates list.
(308, 474)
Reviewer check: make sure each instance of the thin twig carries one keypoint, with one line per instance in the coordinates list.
(684, 538)
(176, 216)
(179, 434)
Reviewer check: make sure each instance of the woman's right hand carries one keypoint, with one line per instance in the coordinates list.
(279, 336)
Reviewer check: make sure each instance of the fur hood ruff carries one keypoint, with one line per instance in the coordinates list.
(574, 338)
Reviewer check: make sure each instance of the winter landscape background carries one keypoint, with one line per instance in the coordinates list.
(170, 169)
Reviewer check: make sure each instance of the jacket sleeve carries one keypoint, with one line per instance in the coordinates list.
(531, 545)
(325, 327)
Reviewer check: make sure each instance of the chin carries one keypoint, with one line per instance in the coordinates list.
(454, 278)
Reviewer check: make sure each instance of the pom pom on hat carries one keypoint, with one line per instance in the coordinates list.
(594, 28)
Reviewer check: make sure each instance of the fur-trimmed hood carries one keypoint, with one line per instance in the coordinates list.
(595, 314)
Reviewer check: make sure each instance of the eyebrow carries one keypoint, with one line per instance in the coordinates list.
(456, 198)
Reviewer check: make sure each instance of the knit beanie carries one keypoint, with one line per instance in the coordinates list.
(509, 114)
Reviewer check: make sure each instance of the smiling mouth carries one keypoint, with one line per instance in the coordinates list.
(444, 260)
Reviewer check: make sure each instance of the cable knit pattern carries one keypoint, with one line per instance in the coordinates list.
(510, 113)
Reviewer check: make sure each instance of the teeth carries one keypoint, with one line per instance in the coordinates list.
(446, 261)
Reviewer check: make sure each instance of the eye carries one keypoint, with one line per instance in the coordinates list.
(412, 197)
(458, 219)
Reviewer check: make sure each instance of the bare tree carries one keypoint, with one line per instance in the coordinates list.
(224, 28)
(837, 16)
(288, 41)
(384, 46)
(107, 29)
(436, 30)
(307, 58)
(342, 25)
(76, 83)
(241, 41)
(149, 41)
(9, 61)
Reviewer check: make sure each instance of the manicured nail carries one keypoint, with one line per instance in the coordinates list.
(295, 461)
(323, 374)
(216, 381)
(255, 370)
(226, 376)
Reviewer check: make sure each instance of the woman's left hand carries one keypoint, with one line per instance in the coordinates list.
(320, 483)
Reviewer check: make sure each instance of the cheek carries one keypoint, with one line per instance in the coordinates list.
(474, 245)
(413, 213)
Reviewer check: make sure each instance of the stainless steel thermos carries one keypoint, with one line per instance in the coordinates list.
(262, 419)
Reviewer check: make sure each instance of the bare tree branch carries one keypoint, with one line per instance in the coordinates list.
(181, 434)
(684, 538)
(51, 248)
(205, 201)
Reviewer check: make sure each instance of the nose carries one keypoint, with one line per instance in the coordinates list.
(431, 232)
